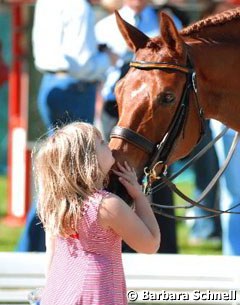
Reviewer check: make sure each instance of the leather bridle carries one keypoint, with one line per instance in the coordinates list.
(160, 152)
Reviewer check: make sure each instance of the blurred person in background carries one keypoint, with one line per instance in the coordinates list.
(229, 190)
(111, 5)
(145, 17)
(229, 182)
(205, 168)
(66, 52)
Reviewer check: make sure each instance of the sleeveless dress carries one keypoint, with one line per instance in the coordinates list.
(87, 268)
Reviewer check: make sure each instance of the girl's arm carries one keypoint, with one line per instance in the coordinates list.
(50, 248)
(138, 229)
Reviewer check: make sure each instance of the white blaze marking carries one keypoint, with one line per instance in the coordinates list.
(139, 90)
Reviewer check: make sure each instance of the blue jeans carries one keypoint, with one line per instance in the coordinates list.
(61, 99)
(33, 236)
(205, 169)
(229, 193)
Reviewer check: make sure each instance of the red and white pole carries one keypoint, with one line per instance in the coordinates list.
(17, 125)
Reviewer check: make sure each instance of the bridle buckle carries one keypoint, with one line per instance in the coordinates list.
(150, 176)
(194, 82)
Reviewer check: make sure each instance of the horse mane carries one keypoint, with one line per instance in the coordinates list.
(212, 21)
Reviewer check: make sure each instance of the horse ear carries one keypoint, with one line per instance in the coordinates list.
(170, 34)
(134, 38)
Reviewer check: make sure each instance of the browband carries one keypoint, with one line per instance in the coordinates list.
(159, 65)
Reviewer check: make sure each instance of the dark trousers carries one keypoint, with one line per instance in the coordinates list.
(167, 225)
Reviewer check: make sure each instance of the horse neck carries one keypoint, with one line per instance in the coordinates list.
(217, 66)
(224, 33)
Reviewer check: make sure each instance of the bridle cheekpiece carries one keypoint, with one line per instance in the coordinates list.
(159, 152)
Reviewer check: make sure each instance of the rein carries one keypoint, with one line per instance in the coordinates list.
(159, 152)
(196, 203)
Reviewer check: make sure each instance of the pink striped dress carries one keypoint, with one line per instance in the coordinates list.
(87, 269)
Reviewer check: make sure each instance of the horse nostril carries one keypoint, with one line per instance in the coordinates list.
(114, 151)
(118, 155)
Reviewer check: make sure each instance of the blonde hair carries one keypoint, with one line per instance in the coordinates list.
(66, 173)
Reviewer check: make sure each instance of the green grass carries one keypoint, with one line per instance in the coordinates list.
(206, 247)
(183, 228)
(3, 195)
(9, 235)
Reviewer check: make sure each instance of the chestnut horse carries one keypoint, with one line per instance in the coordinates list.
(175, 81)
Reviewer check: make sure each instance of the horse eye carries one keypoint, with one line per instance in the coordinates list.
(169, 98)
(165, 98)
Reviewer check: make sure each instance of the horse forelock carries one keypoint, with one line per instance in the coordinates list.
(155, 44)
(212, 21)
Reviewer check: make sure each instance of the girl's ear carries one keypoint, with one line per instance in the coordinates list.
(134, 38)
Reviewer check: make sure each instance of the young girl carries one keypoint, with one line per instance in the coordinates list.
(84, 224)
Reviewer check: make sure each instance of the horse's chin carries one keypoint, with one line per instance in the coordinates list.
(117, 188)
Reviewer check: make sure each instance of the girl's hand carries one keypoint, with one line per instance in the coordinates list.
(128, 177)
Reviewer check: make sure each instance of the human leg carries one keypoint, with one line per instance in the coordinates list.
(33, 236)
(229, 191)
(230, 197)
(167, 225)
(205, 168)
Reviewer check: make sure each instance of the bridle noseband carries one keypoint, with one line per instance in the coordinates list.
(159, 152)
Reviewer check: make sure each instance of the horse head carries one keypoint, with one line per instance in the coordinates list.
(149, 97)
